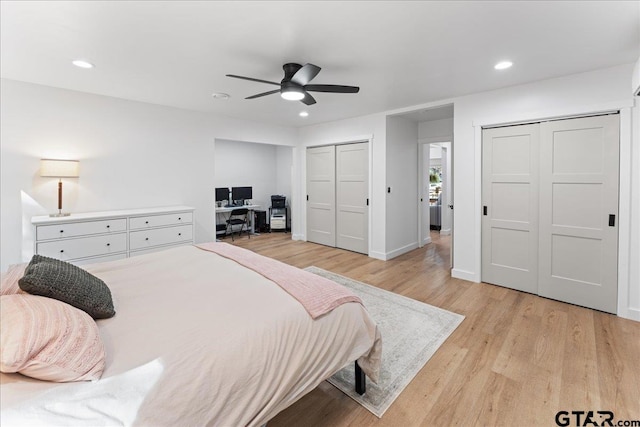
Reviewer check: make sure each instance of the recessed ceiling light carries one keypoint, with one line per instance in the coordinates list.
(220, 95)
(82, 64)
(304, 114)
(503, 65)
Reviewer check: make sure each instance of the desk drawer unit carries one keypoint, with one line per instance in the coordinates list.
(151, 221)
(75, 229)
(84, 247)
(144, 239)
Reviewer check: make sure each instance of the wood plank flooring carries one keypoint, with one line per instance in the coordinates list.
(516, 360)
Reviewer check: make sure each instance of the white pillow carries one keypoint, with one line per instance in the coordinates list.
(49, 340)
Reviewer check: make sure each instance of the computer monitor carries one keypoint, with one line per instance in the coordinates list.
(222, 194)
(240, 194)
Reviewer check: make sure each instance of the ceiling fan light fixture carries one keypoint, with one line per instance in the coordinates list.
(292, 94)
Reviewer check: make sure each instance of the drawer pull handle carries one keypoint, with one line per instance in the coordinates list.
(108, 226)
(179, 234)
(146, 222)
(61, 250)
(108, 244)
(146, 238)
(62, 231)
(179, 219)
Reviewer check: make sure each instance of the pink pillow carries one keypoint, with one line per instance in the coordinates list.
(49, 340)
(10, 279)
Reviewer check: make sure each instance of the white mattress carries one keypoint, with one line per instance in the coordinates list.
(197, 339)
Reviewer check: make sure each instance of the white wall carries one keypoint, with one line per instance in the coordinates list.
(246, 164)
(402, 173)
(435, 129)
(132, 155)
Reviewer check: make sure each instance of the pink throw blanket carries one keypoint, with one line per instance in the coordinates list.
(316, 294)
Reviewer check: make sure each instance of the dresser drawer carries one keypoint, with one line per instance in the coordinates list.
(160, 236)
(60, 231)
(84, 247)
(151, 221)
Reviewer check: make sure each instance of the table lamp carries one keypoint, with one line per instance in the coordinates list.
(52, 168)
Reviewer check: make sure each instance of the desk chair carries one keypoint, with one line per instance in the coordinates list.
(239, 217)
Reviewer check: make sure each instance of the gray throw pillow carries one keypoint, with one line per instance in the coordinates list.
(60, 280)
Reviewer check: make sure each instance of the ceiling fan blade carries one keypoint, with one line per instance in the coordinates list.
(305, 74)
(308, 99)
(252, 79)
(332, 88)
(263, 94)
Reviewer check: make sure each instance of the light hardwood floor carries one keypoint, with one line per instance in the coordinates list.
(516, 360)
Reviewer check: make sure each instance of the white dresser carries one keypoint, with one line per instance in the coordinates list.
(106, 236)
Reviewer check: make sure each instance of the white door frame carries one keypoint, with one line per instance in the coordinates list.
(624, 230)
(423, 166)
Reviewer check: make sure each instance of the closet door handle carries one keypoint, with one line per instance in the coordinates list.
(612, 220)
(484, 210)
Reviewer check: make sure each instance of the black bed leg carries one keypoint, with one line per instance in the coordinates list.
(361, 379)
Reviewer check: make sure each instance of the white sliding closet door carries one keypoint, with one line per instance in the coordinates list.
(352, 210)
(510, 207)
(321, 195)
(551, 221)
(579, 211)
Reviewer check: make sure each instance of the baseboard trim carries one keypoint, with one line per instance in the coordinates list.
(297, 237)
(377, 255)
(446, 232)
(426, 241)
(631, 314)
(403, 250)
(465, 275)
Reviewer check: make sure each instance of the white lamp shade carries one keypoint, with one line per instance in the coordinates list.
(59, 168)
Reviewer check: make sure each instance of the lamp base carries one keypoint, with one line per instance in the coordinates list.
(59, 214)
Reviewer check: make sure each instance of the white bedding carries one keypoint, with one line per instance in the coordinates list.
(197, 339)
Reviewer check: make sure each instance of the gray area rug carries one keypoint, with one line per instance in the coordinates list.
(411, 333)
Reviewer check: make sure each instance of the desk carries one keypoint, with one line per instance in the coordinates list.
(226, 210)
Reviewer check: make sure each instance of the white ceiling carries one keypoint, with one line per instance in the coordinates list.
(399, 53)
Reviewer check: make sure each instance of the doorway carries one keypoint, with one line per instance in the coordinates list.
(435, 187)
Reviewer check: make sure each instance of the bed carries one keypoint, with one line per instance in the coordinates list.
(198, 339)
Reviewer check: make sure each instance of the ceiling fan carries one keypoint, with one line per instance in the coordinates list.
(295, 84)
